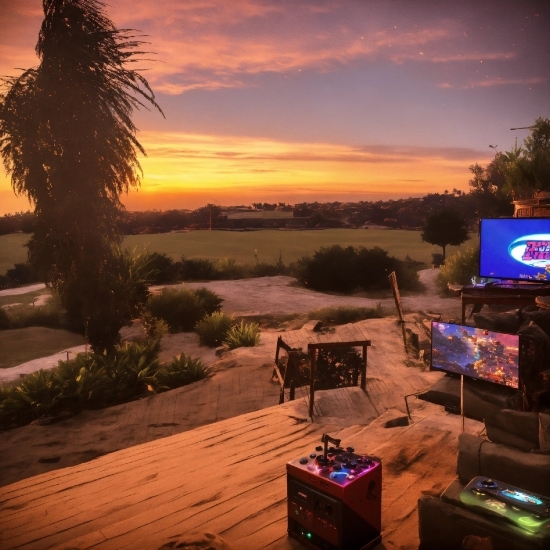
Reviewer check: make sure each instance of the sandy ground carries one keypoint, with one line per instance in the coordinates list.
(262, 296)
(238, 385)
(278, 296)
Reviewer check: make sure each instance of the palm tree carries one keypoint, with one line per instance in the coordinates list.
(68, 140)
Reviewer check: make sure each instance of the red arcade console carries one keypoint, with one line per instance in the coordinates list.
(335, 499)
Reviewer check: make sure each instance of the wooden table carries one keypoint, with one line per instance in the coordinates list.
(520, 294)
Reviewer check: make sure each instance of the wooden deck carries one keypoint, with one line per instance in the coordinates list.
(227, 476)
(241, 384)
(227, 479)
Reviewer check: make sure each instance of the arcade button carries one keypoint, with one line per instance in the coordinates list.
(312, 455)
(319, 448)
(337, 467)
(304, 460)
(350, 449)
(487, 484)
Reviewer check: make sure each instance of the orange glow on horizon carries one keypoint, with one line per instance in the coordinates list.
(189, 170)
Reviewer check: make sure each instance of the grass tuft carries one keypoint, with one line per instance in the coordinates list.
(346, 314)
(243, 335)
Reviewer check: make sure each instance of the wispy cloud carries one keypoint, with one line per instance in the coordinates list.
(210, 44)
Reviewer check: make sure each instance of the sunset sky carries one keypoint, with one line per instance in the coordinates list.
(318, 100)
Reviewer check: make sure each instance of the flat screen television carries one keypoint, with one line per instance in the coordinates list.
(476, 353)
(515, 248)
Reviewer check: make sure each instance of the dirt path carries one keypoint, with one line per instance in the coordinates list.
(261, 296)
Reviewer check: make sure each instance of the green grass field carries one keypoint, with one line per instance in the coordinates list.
(216, 245)
(12, 250)
(25, 344)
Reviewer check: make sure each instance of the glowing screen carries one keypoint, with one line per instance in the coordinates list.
(515, 248)
(475, 352)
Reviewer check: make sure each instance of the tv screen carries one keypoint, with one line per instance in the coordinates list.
(515, 248)
(476, 352)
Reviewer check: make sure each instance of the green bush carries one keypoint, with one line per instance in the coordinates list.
(83, 383)
(213, 329)
(163, 268)
(181, 371)
(459, 268)
(36, 396)
(197, 270)
(4, 319)
(345, 269)
(228, 269)
(183, 308)
(243, 335)
(93, 381)
(346, 314)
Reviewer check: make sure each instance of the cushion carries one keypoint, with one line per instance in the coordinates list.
(509, 321)
(541, 317)
(544, 432)
(514, 428)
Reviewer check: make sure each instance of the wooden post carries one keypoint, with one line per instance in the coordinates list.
(364, 370)
(312, 356)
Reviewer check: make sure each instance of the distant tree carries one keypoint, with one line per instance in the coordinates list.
(445, 227)
(527, 169)
(486, 188)
(67, 138)
(207, 215)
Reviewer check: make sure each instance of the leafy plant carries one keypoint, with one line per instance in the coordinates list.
(83, 383)
(181, 371)
(459, 268)
(36, 396)
(243, 335)
(213, 329)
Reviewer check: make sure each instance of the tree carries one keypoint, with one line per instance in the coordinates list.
(486, 189)
(67, 138)
(444, 227)
(527, 168)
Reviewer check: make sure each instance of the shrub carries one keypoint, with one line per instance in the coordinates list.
(210, 301)
(459, 268)
(182, 309)
(163, 269)
(132, 371)
(36, 396)
(22, 274)
(228, 269)
(181, 371)
(243, 335)
(344, 269)
(437, 259)
(197, 270)
(92, 381)
(4, 319)
(83, 383)
(346, 314)
(213, 329)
